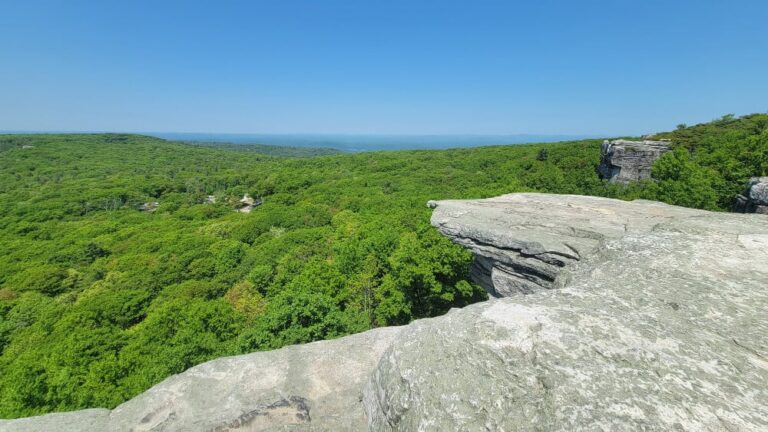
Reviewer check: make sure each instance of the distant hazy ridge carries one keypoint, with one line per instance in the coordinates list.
(358, 143)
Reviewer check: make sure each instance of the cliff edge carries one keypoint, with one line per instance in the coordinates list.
(623, 316)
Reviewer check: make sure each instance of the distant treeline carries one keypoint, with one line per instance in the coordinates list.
(271, 150)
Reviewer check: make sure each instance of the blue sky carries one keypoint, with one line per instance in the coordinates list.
(606, 67)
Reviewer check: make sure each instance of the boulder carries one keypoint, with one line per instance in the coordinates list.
(755, 197)
(247, 204)
(658, 324)
(624, 161)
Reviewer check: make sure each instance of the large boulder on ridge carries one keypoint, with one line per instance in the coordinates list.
(624, 161)
(656, 322)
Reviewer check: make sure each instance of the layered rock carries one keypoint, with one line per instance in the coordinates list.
(755, 197)
(624, 161)
(523, 242)
(659, 324)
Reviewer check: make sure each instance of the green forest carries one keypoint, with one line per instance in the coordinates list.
(101, 299)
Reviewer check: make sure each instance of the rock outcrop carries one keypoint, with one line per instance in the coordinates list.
(149, 207)
(624, 161)
(755, 197)
(658, 324)
(247, 204)
(522, 242)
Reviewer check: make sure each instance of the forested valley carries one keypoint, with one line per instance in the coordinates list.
(104, 293)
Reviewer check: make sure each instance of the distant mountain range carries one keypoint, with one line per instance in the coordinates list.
(359, 142)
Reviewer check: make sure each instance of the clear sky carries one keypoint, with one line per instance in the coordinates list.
(606, 67)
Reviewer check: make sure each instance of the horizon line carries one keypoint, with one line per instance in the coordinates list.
(351, 134)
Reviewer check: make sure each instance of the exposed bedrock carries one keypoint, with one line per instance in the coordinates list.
(624, 161)
(522, 243)
(662, 327)
(659, 324)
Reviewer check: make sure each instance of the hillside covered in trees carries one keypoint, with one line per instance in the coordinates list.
(100, 299)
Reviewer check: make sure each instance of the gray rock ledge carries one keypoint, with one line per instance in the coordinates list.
(661, 326)
(522, 243)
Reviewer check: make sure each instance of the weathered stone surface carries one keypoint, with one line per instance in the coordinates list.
(522, 242)
(662, 327)
(85, 420)
(659, 324)
(755, 197)
(314, 387)
(624, 161)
